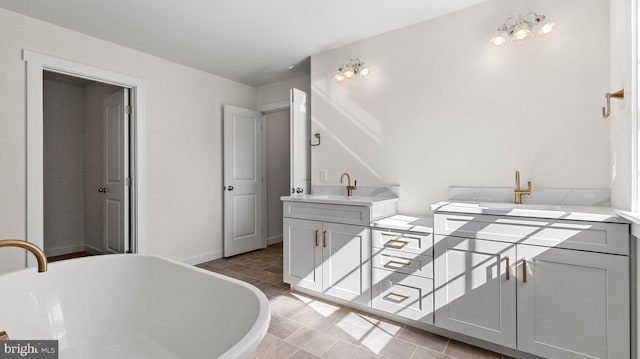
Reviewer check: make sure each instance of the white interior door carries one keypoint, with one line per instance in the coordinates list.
(243, 192)
(300, 142)
(116, 172)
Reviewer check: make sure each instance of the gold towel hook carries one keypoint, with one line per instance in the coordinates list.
(606, 112)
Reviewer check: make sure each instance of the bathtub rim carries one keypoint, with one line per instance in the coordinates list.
(243, 348)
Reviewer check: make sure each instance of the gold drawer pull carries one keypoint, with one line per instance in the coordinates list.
(324, 238)
(317, 237)
(524, 270)
(403, 296)
(507, 269)
(400, 263)
(398, 241)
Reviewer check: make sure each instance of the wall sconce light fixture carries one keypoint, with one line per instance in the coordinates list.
(351, 69)
(521, 30)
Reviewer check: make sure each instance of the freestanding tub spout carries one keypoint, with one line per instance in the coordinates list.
(40, 256)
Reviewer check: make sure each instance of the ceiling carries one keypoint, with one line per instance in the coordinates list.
(249, 41)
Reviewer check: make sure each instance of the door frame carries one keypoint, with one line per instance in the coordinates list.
(37, 63)
(267, 109)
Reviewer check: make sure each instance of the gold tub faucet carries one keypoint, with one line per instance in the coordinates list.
(519, 192)
(350, 188)
(40, 256)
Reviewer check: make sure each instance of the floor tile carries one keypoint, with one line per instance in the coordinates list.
(423, 338)
(349, 332)
(342, 350)
(312, 341)
(318, 315)
(424, 353)
(282, 327)
(301, 354)
(466, 351)
(387, 346)
(273, 347)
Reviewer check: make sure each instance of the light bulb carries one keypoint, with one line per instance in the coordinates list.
(522, 33)
(364, 71)
(499, 39)
(348, 72)
(339, 76)
(546, 27)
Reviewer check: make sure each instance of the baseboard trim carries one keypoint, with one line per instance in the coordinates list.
(64, 250)
(274, 240)
(203, 258)
(93, 250)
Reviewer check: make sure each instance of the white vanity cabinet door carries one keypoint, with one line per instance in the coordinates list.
(574, 304)
(346, 265)
(302, 256)
(474, 295)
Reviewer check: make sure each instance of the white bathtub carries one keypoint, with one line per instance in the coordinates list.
(132, 306)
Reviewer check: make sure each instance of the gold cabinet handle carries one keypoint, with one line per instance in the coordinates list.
(317, 231)
(404, 264)
(403, 296)
(324, 238)
(507, 268)
(524, 270)
(398, 241)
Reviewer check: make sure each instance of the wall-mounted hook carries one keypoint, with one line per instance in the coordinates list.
(316, 135)
(606, 112)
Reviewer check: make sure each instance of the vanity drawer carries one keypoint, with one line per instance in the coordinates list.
(406, 242)
(582, 235)
(402, 294)
(336, 213)
(403, 262)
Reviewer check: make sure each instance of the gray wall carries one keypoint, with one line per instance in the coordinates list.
(73, 164)
(63, 166)
(277, 170)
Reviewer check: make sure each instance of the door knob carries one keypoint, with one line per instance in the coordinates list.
(299, 190)
(229, 188)
(102, 190)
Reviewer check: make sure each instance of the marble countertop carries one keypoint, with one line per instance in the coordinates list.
(567, 212)
(400, 222)
(339, 199)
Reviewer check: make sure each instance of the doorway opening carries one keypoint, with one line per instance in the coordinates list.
(37, 63)
(86, 173)
(266, 156)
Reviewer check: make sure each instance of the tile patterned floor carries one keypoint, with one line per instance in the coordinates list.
(306, 327)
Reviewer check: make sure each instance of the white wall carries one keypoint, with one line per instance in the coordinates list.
(442, 108)
(278, 160)
(279, 91)
(622, 112)
(184, 143)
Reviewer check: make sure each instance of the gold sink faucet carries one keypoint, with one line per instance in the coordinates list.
(4, 335)
(350, 188)
(519, 192)
(40, 256)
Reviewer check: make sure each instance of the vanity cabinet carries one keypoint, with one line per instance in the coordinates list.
(475, 288)
(552, 288)
(329, 258)
(403, 274)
